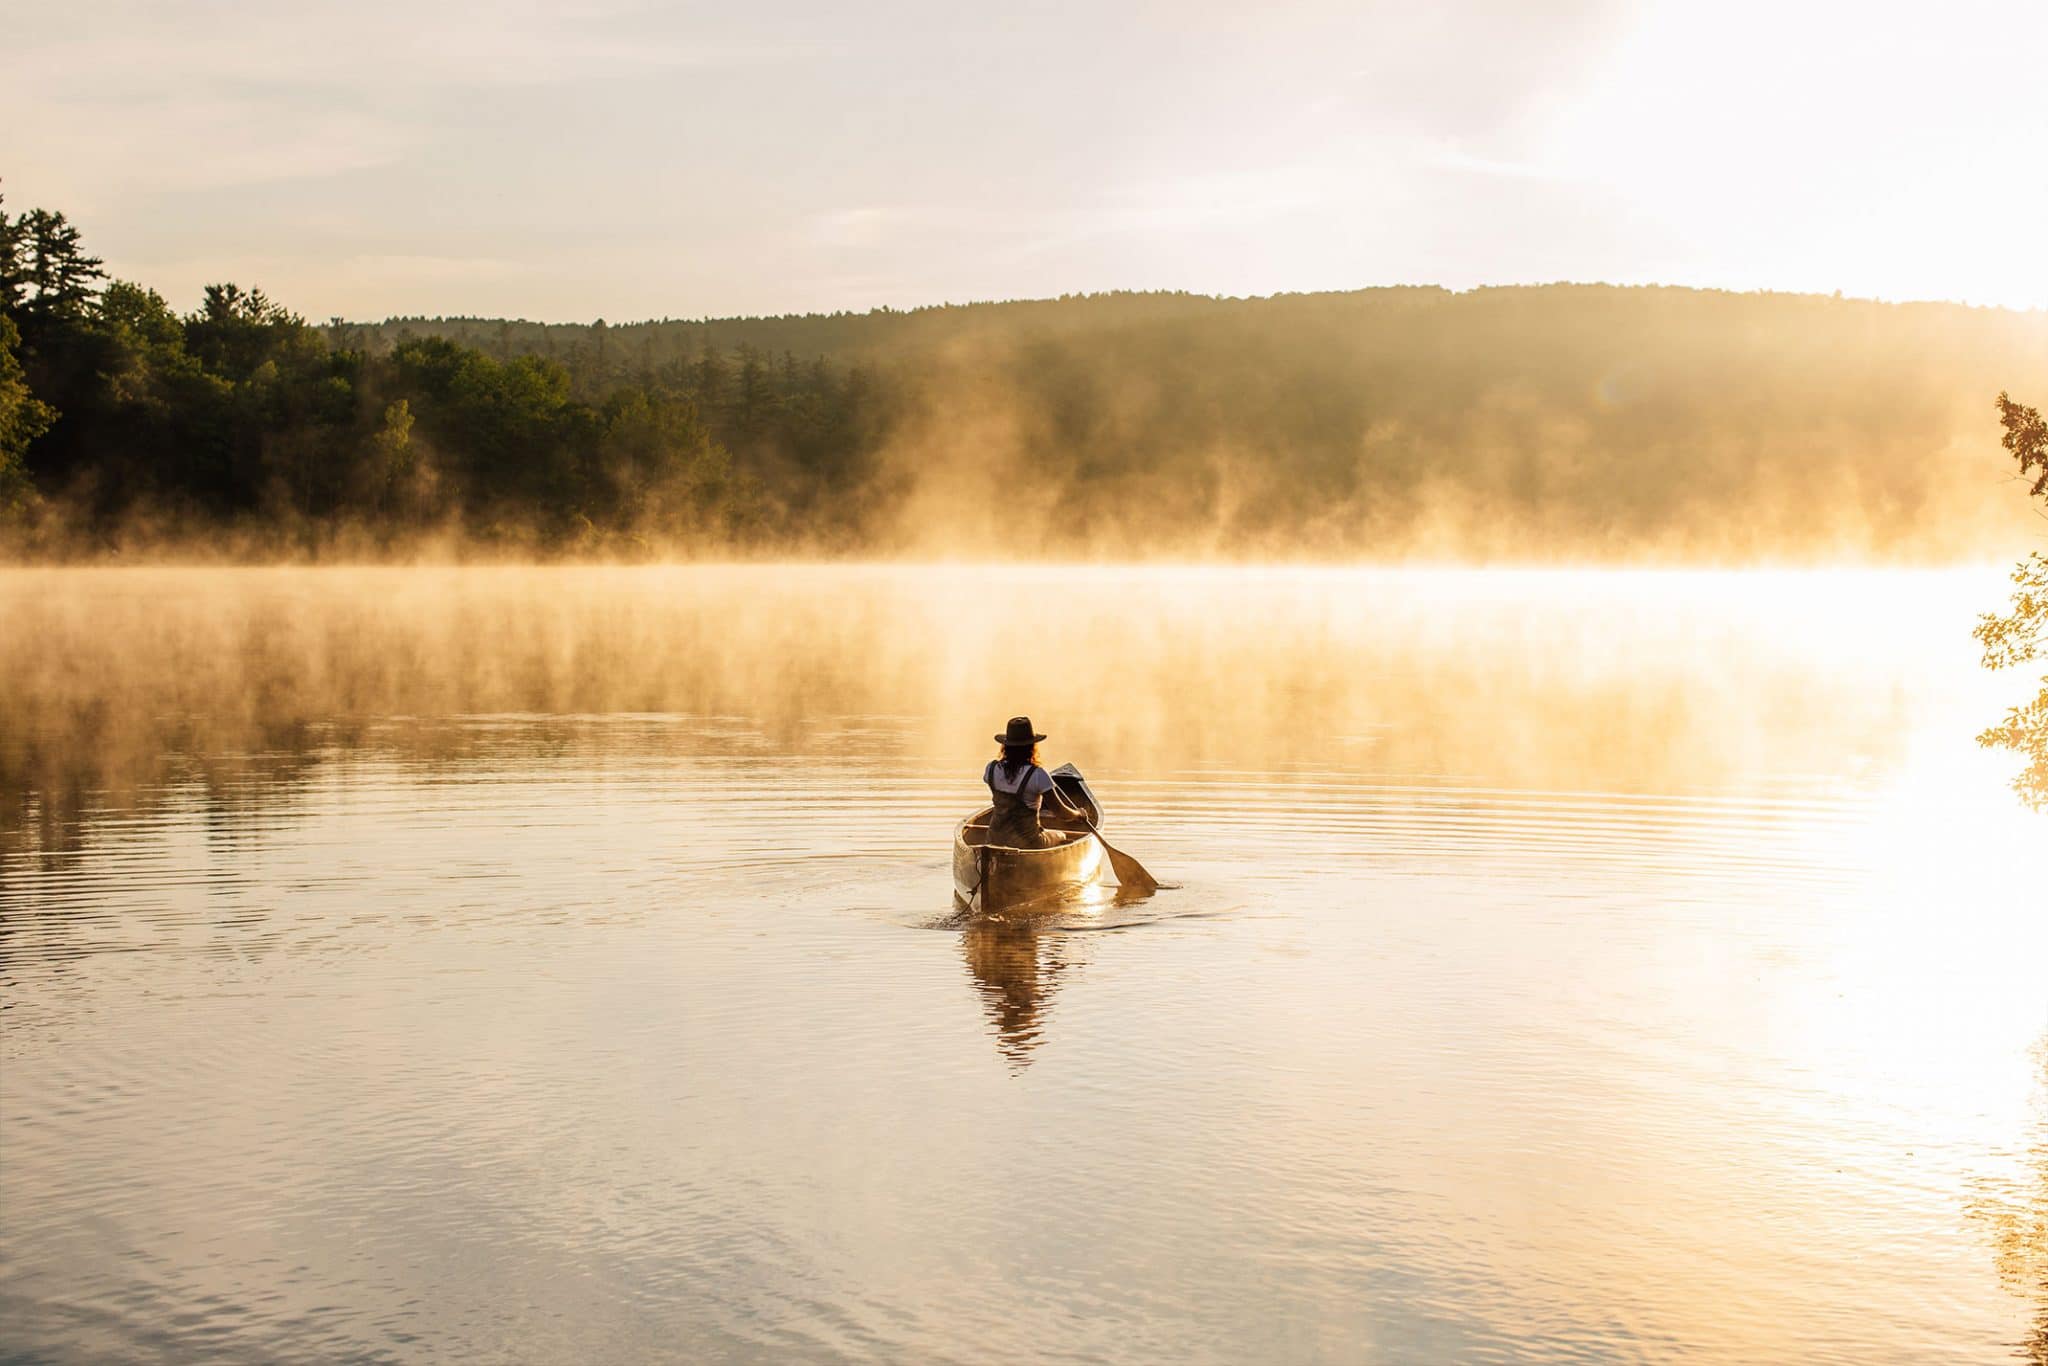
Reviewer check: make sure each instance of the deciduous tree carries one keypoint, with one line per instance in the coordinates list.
(22, 419)
(2020, 636)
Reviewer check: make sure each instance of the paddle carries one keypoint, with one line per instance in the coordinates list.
(1129, 871)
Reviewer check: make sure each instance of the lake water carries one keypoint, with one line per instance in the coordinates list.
(559, 965)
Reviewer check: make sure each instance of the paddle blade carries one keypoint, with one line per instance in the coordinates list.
(1129, 871)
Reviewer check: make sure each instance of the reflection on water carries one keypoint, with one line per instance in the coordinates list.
(1017, 965)
(2014, 1211)
(1018, 958)
(552, 965)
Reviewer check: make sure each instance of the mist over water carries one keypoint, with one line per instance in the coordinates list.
(551, 964)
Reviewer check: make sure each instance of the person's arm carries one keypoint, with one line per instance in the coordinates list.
(1059, 794)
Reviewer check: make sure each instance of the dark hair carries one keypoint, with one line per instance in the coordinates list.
(1014, 756)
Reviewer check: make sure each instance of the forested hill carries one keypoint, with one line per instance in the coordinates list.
(1559, 422)
(1662, 317)
(1521, 422)
(849, 336)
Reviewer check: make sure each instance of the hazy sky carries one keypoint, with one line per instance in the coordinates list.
(626, 160)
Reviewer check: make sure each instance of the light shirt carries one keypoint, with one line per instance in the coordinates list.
(1035, 781)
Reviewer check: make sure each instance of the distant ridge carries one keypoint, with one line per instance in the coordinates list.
(883, 331)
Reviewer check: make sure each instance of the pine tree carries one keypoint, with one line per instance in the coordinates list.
(57, 279)
(13, 265)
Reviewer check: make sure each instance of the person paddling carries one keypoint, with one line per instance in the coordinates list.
(1018, 787)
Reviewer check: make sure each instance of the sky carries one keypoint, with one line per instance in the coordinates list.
(630, 160)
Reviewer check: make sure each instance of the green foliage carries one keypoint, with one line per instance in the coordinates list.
(13, 264)
(44, 271)
(1557, 422)
(22, 420)
(239, 415)
(236, 332)
(1542, 422)
(2026, 436)
(2021, 635)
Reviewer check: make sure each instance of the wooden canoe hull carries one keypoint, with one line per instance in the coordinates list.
(992, 878)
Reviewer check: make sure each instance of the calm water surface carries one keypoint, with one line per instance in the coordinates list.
(560, 966)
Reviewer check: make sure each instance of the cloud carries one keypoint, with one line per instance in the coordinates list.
(187, 94)
(375, 45)
(146, 143)
(635, 157)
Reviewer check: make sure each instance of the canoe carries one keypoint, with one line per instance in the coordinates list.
(989, 877)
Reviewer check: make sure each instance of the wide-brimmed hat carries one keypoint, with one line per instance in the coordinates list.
(1019, 732)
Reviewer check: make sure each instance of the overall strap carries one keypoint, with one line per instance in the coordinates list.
(1021, 791)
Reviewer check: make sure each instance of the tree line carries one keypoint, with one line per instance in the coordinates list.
(1583, 422)
(119, 415)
